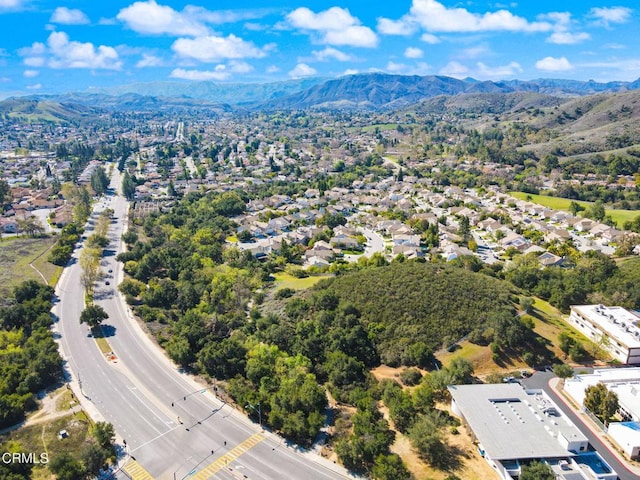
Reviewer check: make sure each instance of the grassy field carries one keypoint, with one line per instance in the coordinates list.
(42, 437)
(15, 255)
(557, 203)
(284, 280)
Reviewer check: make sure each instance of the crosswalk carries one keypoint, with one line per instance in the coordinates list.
(136, 471)
(228, 457)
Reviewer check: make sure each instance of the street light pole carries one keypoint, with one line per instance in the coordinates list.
(259, 410)
(180, 466)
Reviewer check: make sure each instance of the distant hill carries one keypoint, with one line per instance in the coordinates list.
(369, 90)
(33, 110)
(377, 90)
(229, 93)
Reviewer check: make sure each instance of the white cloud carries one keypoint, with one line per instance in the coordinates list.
(404, 27)
(474, 52)
(212, 48)
(331, 53)
(272, 69)
(568, 38)
(420, 68)
(498, 73)
(218, 73)
(607, 15)
(394, 67)
(429, 38)
(350, 71)
(30, 73)
(302, 70)
(151, 18)
(551, 64)
(36, 86)
(34, 61)
(69, 16)
(11, 3)
(454, 69)
(240, 67)
(336, 26)
(148, 60)
(433, 16)
(413, 52)
(71, 54)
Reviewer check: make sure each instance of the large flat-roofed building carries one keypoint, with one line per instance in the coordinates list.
(625, 383)
(619, 325)
(513, 426)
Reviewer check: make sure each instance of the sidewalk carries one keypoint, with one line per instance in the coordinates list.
(556, 386)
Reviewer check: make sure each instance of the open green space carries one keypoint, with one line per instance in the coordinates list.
(286, 280)
(43, 438)
(15, 255)
(558, 203)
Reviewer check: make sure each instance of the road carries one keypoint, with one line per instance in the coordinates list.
(375, 244)
(540, 380)
(172, 428)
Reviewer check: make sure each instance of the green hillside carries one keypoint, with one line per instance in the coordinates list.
(412, 303)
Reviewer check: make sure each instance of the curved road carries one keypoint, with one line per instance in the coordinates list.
(173, 428)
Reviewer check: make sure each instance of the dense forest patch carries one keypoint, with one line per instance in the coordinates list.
(408, 306)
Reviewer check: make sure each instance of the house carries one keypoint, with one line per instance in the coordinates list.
(548, 259)
(8, 225)
(315, 261)
(407, 250)
(514, 240)
(490, 225)
(344, 241)
(584, 225)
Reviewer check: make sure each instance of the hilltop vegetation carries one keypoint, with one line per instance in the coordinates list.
(408, 304)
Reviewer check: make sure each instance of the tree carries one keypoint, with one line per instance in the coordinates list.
(537, 471)
(575, 208)
(562, 370)
(104, 434)
(99, 181)
(65, 467)
(596, 211)
(93, 315)
(390, 467)
(4, 192)
(128, 186)
(90, 265)
(464, 227)
(601, 401)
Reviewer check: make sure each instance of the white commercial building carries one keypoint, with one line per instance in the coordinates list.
(625, 382)
(514, 426)
(619, 326)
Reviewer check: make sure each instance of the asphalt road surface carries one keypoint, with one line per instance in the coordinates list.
(173, 428)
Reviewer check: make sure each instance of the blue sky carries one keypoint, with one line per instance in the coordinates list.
(52, 46)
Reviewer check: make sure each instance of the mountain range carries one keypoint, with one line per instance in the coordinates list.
(364, 91)
(370, 90)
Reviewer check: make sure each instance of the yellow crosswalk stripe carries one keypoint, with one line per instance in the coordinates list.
(228, 457)
(136, 471)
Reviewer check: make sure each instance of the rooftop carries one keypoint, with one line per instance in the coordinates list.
(618, 322)
(500, 413)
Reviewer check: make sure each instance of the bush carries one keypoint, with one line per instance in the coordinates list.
(284, 293)
(410, 376)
